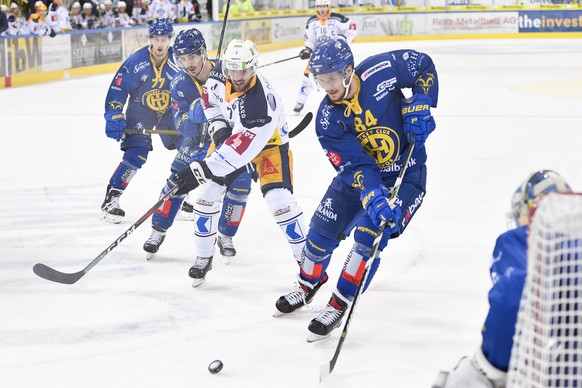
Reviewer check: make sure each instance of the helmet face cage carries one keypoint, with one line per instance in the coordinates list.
(189, 42)
(240, 56)
(528, 194)
(161, 27)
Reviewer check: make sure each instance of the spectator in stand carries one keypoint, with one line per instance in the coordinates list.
(75, 16)
(88, 20)
(37, 23)
(129, 8)
(145, 15)
(240, 6)
(123, 19)
(58, 16)
(161, 9)
(186, 12)
(108, 16)
(15, 20)
(3, 20)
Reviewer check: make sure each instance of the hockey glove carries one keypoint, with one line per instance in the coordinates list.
(418, 122)
(219, 131)
(191, 177)
(375, 201)
(114, 124)
(196, 112)
(305, 53)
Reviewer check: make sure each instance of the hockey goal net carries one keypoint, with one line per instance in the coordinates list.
(547, 346)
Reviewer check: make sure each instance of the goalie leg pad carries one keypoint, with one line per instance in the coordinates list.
(289, 217)
(206, 212)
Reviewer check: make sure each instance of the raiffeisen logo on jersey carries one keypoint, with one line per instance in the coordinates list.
(374, 69)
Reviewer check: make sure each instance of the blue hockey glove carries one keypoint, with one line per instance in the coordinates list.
(196, 112)
(114, 124)
(417, 119)
(305, 53)
(191, 177)
(375, 201)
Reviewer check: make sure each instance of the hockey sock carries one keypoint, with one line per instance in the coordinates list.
(164, 217)
(206, 212)
(133, 159)
(233, 209)
(304, 90)
(316, 256)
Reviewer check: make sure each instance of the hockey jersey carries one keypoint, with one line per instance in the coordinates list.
(364, 138)
(256, 117)
(332, 26)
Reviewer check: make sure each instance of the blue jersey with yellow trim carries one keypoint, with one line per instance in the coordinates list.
(363, 138)
(185, 90)
(147, 87)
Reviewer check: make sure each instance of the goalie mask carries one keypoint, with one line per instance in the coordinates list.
(528, 194)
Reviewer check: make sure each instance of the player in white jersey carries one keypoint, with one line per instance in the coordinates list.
(15, 20)
(247, 123)
(324, 24)
(162, 9)
(58, 16)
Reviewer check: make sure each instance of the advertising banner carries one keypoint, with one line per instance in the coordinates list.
(96, 48)
(550, 21)
(259, 31)
(24, 56)
(3, 62)
(56, 53)
(288, 29)
(471, 23)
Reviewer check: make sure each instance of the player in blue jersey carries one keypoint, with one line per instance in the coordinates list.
(489, 365)
(191, 55)
(363, 125)
(144, 79)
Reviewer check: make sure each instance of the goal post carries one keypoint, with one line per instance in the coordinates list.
(547, 346)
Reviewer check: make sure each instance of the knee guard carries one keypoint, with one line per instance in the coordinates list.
(316, 256)
(289, 217)
(164, 217)
(133, 159)
(206, 212)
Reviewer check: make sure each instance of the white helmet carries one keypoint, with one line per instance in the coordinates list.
(87, 6)
(324, 3)
(108, 2)
(76, 4)
(240, 55)
(528, 194)
(4, 8)
(121, 4)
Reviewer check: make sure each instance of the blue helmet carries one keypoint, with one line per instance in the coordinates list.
(330, 56)
(161, 26)
(188, 42)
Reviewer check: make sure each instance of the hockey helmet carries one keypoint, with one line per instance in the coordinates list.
(76, 4)
(121, 4)
(322, 3)
(188, 42)
(87, 6)
(4, 8)
(14, 6)
(528, 194)
(40, 6)
(240, 55)
(161, 26)
(330, 56)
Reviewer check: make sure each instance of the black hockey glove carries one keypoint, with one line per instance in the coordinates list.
(219, 131)
(191, 177)
(305, 53)
(52, 34)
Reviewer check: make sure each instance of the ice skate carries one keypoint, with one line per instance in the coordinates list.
(298, 107)
(199, 270)
(226, 247)
(111, 212)
(187, 212)
(328, 319)
(300, 296)
(152, 245)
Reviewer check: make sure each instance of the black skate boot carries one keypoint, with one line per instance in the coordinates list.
(152, 245)
(300, 296)
(328, 319)
(225, 246)
(298, 107)
(111, 212)
(187, 211)
(199, 270)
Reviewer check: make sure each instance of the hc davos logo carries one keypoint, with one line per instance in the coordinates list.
(157, 100)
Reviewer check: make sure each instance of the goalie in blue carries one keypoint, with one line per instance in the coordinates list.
(489, 365)
(144, 78)
(363, 125)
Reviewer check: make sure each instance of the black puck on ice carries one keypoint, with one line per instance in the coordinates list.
(215, 366)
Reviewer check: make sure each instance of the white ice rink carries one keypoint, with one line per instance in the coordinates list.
(506, 108)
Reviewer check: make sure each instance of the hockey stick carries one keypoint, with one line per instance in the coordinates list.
(279, 61)
(135, 131)
(302, 125)
(326, 369)
(48, 273)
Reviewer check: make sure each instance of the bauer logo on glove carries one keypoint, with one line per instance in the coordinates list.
(417, 120)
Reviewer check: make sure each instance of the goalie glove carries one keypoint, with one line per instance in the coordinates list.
(375, 201)
(191, 177)
(305, 53)
(418, 122)
(219, 131)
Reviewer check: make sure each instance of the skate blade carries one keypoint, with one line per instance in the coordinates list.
(111, 218)
(303, 310)
(312, 337)
(149, 256)
(226, 259)
(197, 282)
(185, 216)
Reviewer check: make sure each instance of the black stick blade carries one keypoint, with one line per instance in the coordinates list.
(53, 275)
(302, 125)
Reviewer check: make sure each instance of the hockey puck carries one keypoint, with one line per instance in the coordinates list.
(215, 366)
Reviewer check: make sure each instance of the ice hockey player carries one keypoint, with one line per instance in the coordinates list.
(488, 367)
(246, 118)
(321, 26)
(191, 55)
(363, 125)
(145, 78)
